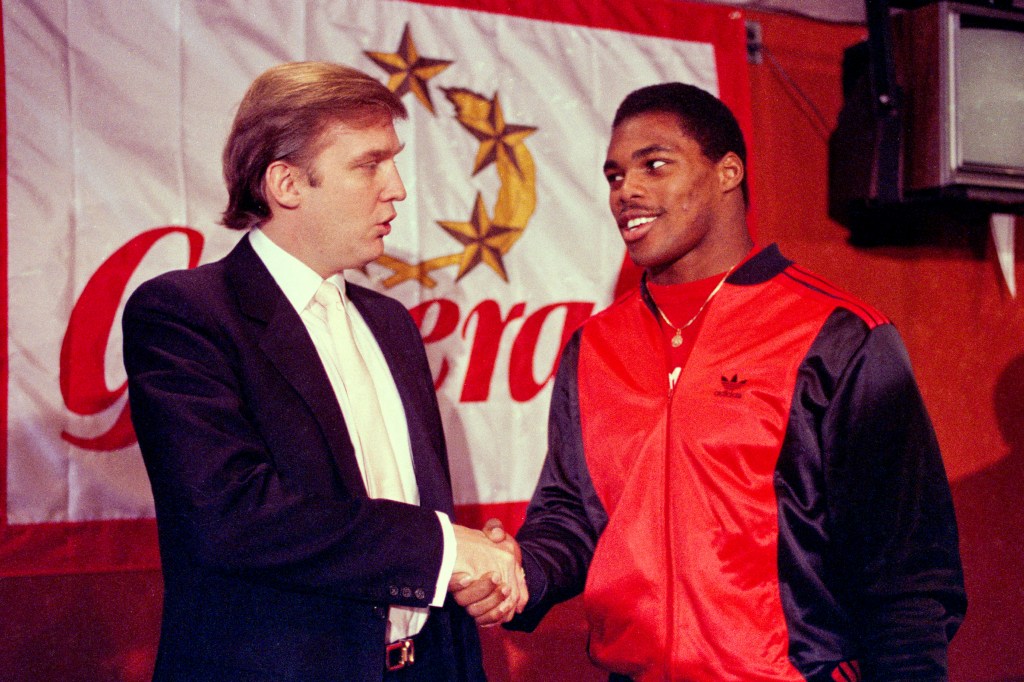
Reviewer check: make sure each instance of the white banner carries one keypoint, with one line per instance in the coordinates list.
(116, 116)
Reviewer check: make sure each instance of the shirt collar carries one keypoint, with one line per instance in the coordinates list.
(297, 280)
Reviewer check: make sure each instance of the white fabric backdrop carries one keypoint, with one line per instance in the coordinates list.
(116, 115)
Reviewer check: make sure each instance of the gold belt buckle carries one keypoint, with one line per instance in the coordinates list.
(399, 654)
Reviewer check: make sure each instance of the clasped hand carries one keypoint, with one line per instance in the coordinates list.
(488, 580)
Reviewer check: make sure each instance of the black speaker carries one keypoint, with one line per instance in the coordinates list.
(864, 150)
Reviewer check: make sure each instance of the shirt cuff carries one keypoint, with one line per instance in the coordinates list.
(447, 560)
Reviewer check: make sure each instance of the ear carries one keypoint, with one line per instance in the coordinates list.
(281, 182)
(730, 171)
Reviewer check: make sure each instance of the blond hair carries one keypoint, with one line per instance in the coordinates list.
(283, 116)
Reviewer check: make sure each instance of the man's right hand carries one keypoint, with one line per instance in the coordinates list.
(488, 578)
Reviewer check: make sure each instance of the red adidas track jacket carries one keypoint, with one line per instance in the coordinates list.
(781, 514)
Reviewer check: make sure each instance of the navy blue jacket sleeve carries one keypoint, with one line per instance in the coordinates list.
(565, 516)
(894, 530)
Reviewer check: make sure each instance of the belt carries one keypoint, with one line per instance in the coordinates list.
(399, 655)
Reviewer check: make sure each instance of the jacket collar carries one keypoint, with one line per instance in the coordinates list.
(759, 268)
(286, 343)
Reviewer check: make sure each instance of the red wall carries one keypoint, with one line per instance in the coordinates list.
(964, 333)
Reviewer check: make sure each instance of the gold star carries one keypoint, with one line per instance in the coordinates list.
(486, 121)
(485, 242)
(409, 71)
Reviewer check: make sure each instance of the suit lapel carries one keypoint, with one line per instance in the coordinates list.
(288, 347)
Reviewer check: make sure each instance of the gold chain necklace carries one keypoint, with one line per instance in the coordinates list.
(677, 339)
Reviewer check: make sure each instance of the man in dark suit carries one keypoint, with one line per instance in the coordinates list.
(302, 496)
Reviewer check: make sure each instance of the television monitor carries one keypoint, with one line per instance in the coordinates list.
(961, 67)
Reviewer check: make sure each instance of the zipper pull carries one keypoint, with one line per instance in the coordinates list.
(673, 377)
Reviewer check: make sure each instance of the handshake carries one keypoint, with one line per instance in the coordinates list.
(488, 579)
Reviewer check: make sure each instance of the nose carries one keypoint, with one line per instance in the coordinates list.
(632, 186)
(394, 189)
(628, 189)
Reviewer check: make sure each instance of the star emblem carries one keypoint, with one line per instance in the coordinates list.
(484, 241)
(484, 238)
(498, 139)
(409, 72)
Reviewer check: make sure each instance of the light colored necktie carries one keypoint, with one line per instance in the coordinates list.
(380, 469)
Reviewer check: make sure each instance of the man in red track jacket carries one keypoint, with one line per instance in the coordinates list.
(742, 478)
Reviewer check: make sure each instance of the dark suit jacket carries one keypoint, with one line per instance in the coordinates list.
(277, 566)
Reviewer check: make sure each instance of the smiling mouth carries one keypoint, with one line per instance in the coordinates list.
(634, 223)
(636, 228)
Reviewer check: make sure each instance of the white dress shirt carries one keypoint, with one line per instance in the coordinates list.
(299, 284)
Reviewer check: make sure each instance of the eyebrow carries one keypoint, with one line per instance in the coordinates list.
(379, 154)
(641, 153)
(651, 149)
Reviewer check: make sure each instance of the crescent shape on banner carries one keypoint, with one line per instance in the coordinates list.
(484, 238)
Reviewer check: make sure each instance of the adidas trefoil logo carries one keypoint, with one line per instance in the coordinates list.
(731, 387)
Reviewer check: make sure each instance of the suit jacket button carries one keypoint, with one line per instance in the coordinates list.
(406, 592)
(420, 594)
(393, 590)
